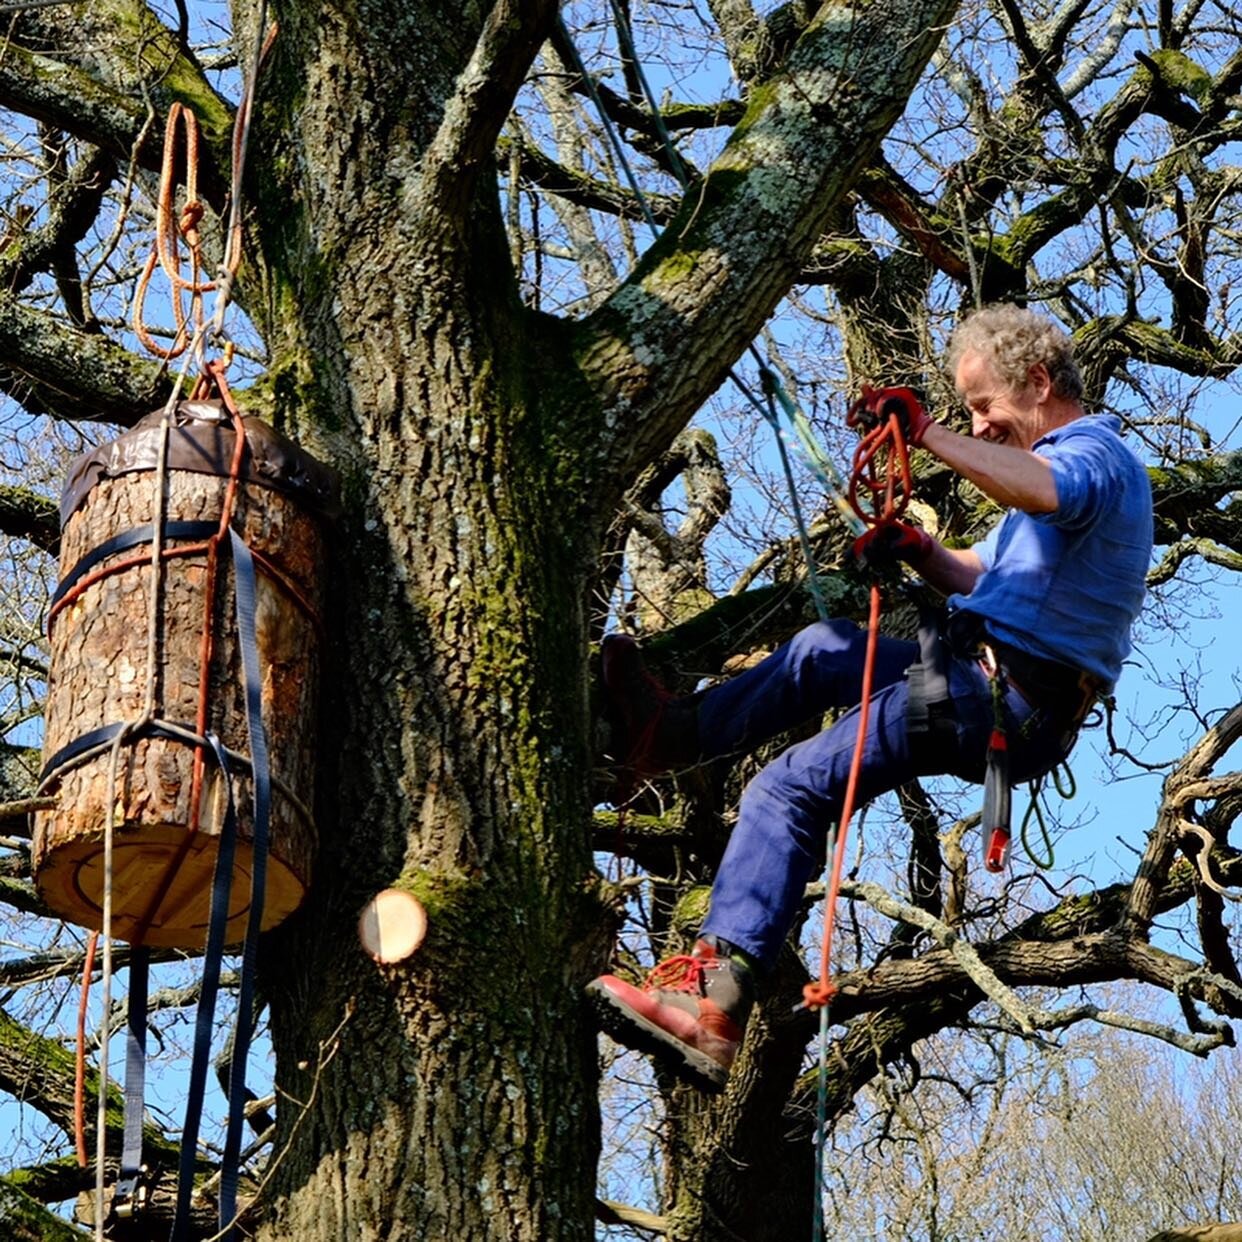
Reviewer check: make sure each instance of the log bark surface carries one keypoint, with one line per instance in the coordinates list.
(163, 859)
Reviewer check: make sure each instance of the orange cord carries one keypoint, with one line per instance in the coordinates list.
(882, 469)
(167, 252)
(79, 1069)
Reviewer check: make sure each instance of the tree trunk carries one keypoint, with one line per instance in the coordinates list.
(451, 1095)
(482, 448)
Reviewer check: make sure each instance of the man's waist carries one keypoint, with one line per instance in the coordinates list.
(1042, 681)
(1061, 688)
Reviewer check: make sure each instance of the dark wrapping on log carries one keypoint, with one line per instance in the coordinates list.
(163, 864)
(202, 441)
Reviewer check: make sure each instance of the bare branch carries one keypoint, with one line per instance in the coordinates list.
(585, 191)
(72, 209)
(964, 953)
(1199, 1045)
(1180, 553)
(669, 335)
(609, 1213)
(473, 116)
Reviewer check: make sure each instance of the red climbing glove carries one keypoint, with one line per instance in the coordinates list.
(890, 542)
(876, 404)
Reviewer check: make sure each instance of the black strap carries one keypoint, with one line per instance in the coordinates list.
(929, 678)
(128, 1195)
(205, 1014)
(125, 540)
(99, 738)
(245, 591)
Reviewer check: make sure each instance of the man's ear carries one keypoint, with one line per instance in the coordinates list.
(1039, 379)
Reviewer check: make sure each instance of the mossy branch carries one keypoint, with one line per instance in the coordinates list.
(27, 515)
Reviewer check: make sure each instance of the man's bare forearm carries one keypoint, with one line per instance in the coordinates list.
(1011, 476)
(950, 570)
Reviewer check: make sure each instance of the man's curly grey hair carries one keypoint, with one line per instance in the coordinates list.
(1014, 340)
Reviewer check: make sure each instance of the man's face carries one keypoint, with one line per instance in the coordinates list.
(999, 412)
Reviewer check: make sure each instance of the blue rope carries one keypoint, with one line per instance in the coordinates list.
(800, 435)
(205, 1014)
(245, 588)
(803, 438)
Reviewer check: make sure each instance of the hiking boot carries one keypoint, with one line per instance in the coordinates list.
(659, 731)
(690, 1013)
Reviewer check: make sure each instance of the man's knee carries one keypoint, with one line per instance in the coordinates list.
(824, 638)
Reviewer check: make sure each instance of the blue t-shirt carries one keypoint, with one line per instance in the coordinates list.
(1067, 585)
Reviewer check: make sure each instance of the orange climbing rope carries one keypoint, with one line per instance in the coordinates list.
(880, 487)
(79, 1068)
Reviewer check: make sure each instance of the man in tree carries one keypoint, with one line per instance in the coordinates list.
(1040, 610)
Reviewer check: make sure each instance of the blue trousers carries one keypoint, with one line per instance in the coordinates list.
(787, 811)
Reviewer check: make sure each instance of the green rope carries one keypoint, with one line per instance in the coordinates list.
(1066, 785)
(804, 535)
(1035, 811)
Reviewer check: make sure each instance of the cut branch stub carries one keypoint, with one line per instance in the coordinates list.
(392, 925)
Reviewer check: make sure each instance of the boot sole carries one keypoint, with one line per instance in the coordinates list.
(634, 1031)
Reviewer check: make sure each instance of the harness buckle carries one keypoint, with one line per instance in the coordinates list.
(131, 1193)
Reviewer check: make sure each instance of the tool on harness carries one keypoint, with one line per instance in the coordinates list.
(997, 798)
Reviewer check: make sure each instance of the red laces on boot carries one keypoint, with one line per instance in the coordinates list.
(683, 973)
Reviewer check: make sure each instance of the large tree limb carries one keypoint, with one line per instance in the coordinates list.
(1105, 343)
(24, 1219)
(41, 1072)
(118, 56)
(27, 515)
(72, 100)
(935, 237)
(1097, 958)
(667, 338)
(56, 369)
(466, 139)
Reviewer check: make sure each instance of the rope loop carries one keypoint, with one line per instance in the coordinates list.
(182, 125)
(881, 482)
(1046, 857)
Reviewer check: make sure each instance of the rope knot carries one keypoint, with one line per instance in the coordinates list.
(191, 214)
(819, 993)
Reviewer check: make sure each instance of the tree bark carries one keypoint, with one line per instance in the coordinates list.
(452, 1095)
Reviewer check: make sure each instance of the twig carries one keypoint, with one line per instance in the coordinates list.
(1198, 1045)
(609, 1213)
(962, 950)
